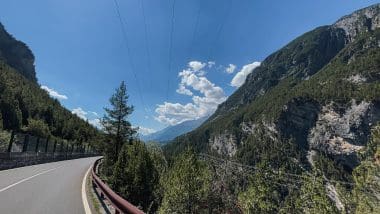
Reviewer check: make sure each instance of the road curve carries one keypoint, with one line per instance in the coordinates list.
(45, 188)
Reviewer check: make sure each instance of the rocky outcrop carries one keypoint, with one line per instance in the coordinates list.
(224, 144)
(297, 118)
(343, 132)
(367, 19)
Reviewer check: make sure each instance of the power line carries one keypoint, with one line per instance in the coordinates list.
(220, 29)
(170, 48)
(125, 37)
(190, 49)
(149, 66)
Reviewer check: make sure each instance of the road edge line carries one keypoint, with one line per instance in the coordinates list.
(86, 205)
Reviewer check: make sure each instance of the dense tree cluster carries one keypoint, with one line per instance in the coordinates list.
(25, 107)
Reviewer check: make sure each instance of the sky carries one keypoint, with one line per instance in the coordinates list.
(178, 58)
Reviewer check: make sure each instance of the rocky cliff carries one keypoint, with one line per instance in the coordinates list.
(17, 55)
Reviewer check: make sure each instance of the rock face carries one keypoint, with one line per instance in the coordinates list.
(17, 55)
(297, 118)
(343, 134)
(224, 144)
(367, 19)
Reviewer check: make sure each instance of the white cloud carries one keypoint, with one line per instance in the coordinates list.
(192, 79)
(145, 131)
(196, 65)
(54, 93)
(240, 77)
(210, 64)
(231, 68)
(80, 113)
(183, 90)
(94, 113)
(84, 115)
(96, 122)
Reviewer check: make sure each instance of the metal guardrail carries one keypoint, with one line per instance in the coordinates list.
(120, 204)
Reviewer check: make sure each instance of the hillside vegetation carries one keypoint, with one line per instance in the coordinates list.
(25, 107)
(303, 126)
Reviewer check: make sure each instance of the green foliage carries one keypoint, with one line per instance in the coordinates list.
(261, 196)
(5, 137)
(313, 197)
(367, 175)
(186, 185)
(135, 176)
(116, 126)
(38, 128)
(22, 100)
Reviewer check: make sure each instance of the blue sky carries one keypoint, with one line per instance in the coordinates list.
(82, 55)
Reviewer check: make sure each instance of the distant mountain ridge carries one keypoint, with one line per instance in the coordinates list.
(171, 132)
(17, 55)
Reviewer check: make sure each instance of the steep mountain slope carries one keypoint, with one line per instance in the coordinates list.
(171, 132)
(25, 107)
(17, 55)
(321, 90)
(310, 115)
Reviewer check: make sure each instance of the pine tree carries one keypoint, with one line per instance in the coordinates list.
(116, 125)
(134, 175)
(186, 186)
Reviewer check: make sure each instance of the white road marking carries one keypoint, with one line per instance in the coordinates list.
(86, 206)
(26, 179)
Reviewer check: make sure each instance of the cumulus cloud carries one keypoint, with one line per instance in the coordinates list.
(210, 64)
(240, 77)
(54, 93)
(94, 113)
(196, 65)
(231, 68)
(204, 104)
(80, 113)
(84, 115)
(183, 90)
(96, 122)
(145, 131)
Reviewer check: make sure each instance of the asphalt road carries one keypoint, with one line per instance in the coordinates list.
(51, 188)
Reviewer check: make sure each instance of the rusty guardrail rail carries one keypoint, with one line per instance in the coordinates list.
(120, 204)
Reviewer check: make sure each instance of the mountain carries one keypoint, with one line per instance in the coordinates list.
(17, 55)
(25, 107)
(171, 132)
(313, 107)
(321, 91)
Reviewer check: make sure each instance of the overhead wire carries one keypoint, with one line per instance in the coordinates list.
(149, 66)
(190, 48)
(220, 29)
(170, 48)
(125, 37)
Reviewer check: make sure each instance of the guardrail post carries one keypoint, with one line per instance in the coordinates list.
(11, 142)
(67, 150)
(61, 147)
(55, 146)
(47, 144)
(37, 143)
(25, 145)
